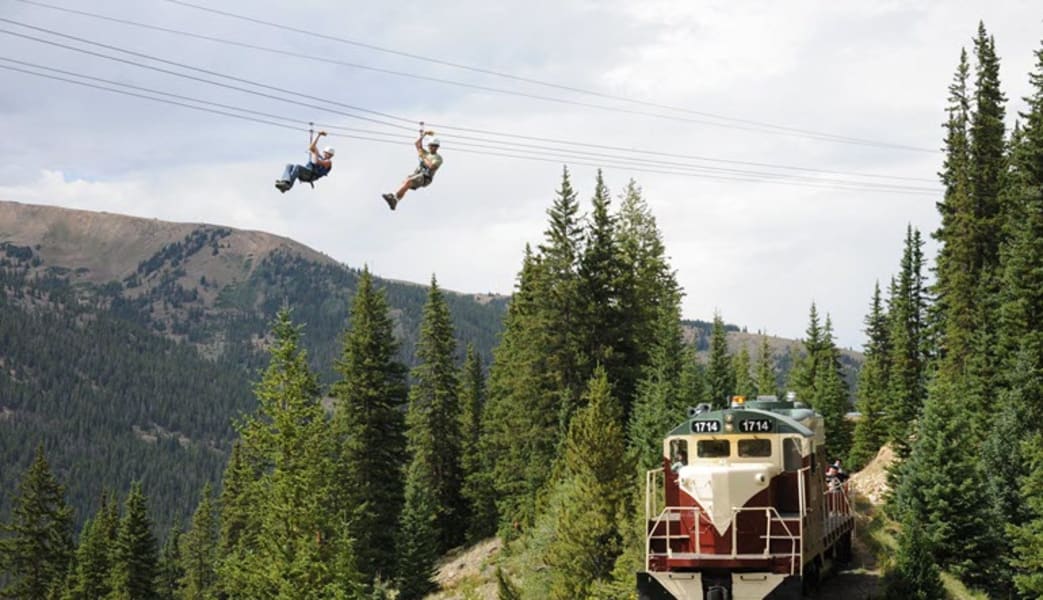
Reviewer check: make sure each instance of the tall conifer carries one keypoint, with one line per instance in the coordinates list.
(135, 563)
(369, 426)
(720, 378)
(36, 544)
(871, 430)
(767, 384)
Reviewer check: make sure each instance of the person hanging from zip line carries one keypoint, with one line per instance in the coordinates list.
(319, 165)
(430, 161)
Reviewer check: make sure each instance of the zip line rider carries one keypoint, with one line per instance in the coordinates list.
(319, 165)
(430, 161)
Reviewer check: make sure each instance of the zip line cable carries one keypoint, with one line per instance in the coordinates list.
(402, 119)
(207, 81)
(840, 186)
(321, 59)
(824, 136)
(183, 66)
(565, 154)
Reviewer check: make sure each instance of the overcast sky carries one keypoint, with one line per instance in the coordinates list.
(759, 252)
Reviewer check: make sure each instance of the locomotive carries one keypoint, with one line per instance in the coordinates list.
(742, 508)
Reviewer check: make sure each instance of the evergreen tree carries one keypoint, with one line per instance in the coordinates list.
(586, 502)
(559, 309)
(830, 395)
(199, 552)
(915, 575)
(135, 563)
(90, 577)
(601, 266)
(520, 423)
(805, 370)
(418, 536)
(941, 486)
(871, 431)
(238, 521)
(170, 568)
(369, 427)
(433, 422)
(767, 384)
(647, 284)
(661, 400)
(720, 377)
(477, 487)
(744, 384)
(36, 547)
(906, 378)
(1028, 537)
(301, 548)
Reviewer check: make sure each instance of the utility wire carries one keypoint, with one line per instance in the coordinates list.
(183, 66)
(645, 169)
(332, 61)
(793, 130)
(398, 118)
(564, 154)
(210, 82)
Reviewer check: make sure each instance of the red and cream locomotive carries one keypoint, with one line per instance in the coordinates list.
(741, 508)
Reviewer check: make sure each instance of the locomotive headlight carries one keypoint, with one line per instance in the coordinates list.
(728, 418)
(728, 427)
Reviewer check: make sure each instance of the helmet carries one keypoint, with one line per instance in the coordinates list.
(329, 150)
(434, 142)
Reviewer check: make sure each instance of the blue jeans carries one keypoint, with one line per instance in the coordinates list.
(293, 173)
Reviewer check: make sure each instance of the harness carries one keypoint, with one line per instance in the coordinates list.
(312, 172)
(427, 172)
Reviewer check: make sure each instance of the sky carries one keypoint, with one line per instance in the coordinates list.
(759, 252)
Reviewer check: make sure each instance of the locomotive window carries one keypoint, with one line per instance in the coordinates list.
(791, 458)
(678, 454)
(754, 448)
(713, 448)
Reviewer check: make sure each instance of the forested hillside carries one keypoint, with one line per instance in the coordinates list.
(129, 346)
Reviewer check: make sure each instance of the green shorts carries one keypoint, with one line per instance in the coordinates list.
(418, 180)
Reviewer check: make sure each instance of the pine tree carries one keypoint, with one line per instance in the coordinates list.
(238, 521)
(906, 360)
(477, 487)
(601, 269)
(433, 422)
(419, 536)
(170, 569)
(941, 484)
(1028, 537)
(720, 377)
(369, 427)
(135, 564)
(871, 431)
(660, 401)
(199, 552)
(301, 548)
(767, 384)
(805, 370)
(587, 501)
(646, 284)
(36, 548)
(90, 577)
(830, 396)
(559, 306)
(915, 575)
(520, 423)
(744, 384)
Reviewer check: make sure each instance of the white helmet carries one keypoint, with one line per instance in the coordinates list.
(434, 142)
(329, 150)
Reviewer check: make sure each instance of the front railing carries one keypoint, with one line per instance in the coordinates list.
(776, 526)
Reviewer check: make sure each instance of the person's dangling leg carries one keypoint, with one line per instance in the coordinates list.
(289, 175)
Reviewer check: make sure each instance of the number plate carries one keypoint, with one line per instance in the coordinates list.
(755, 425)
(706, 426)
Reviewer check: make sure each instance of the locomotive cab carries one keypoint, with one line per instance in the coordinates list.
(740, 508)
